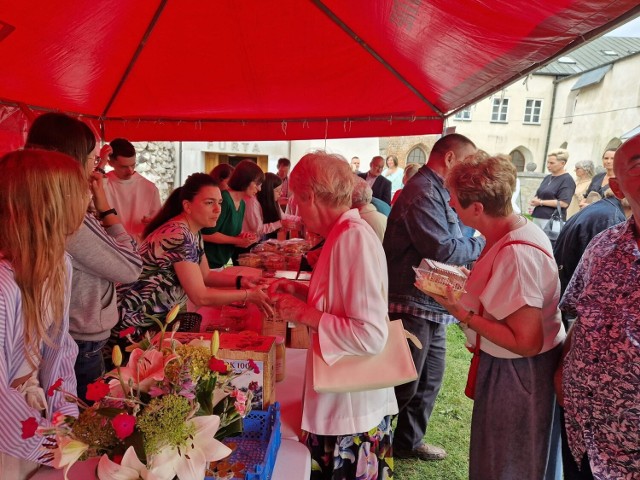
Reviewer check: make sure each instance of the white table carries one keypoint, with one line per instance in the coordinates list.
(289, 393)
(292, 463)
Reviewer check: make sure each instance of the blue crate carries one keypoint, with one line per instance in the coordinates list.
(258, 445)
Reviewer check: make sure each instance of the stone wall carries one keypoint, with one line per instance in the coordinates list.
(157, 162)
(529, 183)
(401, 146)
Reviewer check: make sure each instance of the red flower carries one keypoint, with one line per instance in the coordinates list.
(254, 366)
(123, 424)
(29, 427)
(54, 387)
(219, 366)
(127, 331)
(96, 391)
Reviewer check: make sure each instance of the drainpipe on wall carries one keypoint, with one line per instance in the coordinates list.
(553, 108)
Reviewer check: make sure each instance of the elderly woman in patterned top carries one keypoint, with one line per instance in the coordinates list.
(174, 266)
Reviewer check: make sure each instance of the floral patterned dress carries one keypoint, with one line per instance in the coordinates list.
(158, 289)
(365, 456)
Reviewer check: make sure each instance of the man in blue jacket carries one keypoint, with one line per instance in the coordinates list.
(423, 225)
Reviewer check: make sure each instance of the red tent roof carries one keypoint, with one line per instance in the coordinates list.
(277, 69)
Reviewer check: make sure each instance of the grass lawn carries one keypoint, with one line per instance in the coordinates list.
(450, 422)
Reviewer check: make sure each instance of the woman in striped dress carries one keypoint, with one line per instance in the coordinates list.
(43, 197)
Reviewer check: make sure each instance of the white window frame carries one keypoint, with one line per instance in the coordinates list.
(531, 105)
(501, 115)
(463, 115)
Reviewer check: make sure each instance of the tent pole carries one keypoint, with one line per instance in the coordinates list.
(132, 62)
(375, 55)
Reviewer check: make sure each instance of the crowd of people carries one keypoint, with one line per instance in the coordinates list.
(86, 254)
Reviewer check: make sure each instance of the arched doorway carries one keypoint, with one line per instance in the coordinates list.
(520, 156)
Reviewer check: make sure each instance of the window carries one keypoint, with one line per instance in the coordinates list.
(464, 114)
(572, 103)
(499, 110)
(417, 155)
(532, 111)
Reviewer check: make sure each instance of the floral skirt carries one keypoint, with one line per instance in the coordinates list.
(361, 456)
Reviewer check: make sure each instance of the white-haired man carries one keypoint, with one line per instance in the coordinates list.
(361, 199)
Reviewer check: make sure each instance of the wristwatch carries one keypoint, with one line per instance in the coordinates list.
(111, 211)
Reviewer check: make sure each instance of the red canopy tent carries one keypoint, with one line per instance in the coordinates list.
(276, 69)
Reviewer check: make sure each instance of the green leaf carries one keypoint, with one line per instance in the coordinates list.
(110, 412)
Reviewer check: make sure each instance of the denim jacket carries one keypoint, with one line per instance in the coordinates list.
(423, 225)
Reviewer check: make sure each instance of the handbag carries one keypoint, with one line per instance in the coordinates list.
(470, 387)
(554, 225)
(357, 373)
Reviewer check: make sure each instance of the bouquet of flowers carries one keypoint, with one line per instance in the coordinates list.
(159, 416)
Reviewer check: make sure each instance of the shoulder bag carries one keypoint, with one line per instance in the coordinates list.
(356, 373)
(554, 225)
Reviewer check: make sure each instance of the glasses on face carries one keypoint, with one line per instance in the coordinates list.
(95, 159)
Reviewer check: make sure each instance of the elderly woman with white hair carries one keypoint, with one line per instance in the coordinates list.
(584, 173)
(345, 307)
(361, 199)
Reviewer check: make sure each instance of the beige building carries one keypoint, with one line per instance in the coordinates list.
(515, 120)
(584, 101)
(597, 110)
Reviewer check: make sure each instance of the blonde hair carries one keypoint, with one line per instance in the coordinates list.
(560, 153)
(328, 176)
(489, 180)
(43, 197)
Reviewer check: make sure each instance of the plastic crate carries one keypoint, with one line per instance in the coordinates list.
(257, 446)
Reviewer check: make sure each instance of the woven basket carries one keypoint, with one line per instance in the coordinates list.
(189, 321)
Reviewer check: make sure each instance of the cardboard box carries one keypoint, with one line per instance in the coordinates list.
(237, 349)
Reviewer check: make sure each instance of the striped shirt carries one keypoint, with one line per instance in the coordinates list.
(57, 362)
(435, 317)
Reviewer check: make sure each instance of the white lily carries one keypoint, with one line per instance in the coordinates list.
(67, 453)
(189, 462)
(131, 468)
